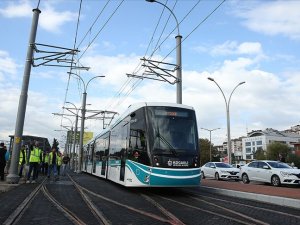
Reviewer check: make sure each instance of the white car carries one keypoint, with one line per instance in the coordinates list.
(219, 171)
(273, 172)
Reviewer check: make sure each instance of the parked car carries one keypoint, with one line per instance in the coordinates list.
(238, 165)
(219, 171)
(273, 172)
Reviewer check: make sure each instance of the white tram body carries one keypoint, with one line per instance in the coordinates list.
(151, 144)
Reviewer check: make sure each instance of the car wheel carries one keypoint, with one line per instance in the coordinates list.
(217, 177)
(202, 175)
(245, 178)
(275, 181)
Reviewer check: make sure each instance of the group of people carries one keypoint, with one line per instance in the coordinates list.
(51, 163)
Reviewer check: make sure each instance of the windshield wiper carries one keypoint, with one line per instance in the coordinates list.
(171, 148)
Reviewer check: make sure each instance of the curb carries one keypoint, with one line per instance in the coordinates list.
(294, 203)
(4, 187)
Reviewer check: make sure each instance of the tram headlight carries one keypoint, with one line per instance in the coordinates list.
(156, 161)
(195, 161)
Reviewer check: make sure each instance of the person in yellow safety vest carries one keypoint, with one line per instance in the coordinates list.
(35, 159)
(22, 160)
(45, 163)
(52, 162)
(59, 162)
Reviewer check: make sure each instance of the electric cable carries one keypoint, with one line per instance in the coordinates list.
(89, 30)
(106, 22)
(135, 86)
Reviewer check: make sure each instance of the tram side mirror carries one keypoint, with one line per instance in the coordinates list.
(132, 115)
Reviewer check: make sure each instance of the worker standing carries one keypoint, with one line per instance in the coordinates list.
(34, 161)
(52, 163)
(59, 162)
(22, 160)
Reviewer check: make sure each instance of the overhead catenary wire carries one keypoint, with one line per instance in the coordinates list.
(72, 61)
(88, 31)
(139, 67)
(106, 22)
(205, 18)
(201, 22)
(91, 27)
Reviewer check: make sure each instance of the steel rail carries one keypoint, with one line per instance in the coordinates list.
(19, 211)
(97, 213)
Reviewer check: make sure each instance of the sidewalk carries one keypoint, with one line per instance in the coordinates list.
(285, 196)
(4, 187)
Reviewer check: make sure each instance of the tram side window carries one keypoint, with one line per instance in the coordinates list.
(106, 147)
(138, 139)
(97, 150)
(119, 139)
(92, 150)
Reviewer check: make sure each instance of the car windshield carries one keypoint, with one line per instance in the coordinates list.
(223, 165)
(279, 165)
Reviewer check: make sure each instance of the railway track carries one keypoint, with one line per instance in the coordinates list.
(85, 199)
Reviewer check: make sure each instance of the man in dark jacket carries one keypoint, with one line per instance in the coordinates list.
(2, 160)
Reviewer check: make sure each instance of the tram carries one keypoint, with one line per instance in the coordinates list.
(150, 145)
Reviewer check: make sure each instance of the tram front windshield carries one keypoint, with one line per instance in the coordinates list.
(172, 131)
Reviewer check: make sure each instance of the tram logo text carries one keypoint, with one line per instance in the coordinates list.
(178, 163)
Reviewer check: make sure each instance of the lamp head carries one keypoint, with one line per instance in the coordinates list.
(242, 83)
(211, 79)
(150, 0)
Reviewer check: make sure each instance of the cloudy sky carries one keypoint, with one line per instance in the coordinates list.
(231, 41)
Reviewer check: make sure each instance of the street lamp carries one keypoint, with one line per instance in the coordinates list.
(178, 56)
(85, 86)
(209, 140)
(227, 114)
(68, 138)
(72, 123)
(75, 131)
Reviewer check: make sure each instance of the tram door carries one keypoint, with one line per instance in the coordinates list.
(125, 141)
(93, 159)
(104, 166)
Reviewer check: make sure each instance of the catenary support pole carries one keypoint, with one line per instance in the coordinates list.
(81, 132)
(13, 176)
(179, 69)
(74, 141)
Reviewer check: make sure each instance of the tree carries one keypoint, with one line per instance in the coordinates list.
(204, 151)
(293, 158)
(277, 151)
(259, 154)
(55, 143)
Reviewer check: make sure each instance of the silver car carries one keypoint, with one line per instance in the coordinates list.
(273, 172)
(219, 171)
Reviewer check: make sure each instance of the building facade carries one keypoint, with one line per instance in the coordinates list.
(259, 139)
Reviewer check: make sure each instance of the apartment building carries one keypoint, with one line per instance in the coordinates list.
(259, 139)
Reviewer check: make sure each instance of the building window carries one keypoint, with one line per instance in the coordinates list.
(253, 142)
(258, 142)
(248, 143)
(248, 156)
(248, 150)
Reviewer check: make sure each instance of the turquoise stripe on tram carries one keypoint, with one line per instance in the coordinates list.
(164, 176)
